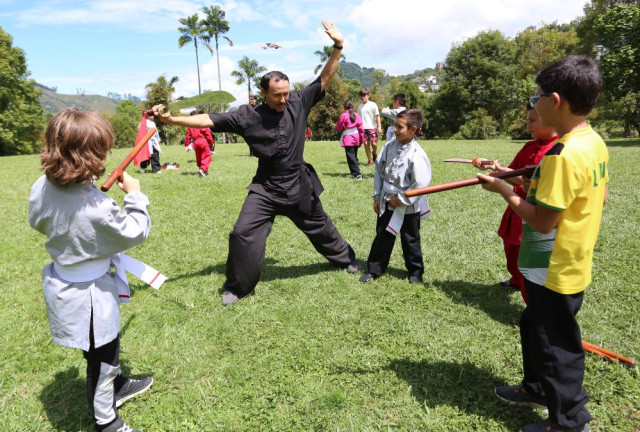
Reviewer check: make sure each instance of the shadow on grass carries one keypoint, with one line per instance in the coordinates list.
(463, 386)
(622, 142)
(65, 401)
(346, 174)
(270, 271)
(493, 300)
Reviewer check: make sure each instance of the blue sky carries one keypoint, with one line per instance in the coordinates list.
(119, 46)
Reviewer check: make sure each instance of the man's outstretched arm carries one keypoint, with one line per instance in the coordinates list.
(331, 67)
(196, 121)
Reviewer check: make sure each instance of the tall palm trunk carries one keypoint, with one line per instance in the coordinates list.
(195, 42)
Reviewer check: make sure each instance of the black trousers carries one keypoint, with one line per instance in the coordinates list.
(384, 241)
(248, 239)
(352, 160)
(155, 162)
(552, 353)
(103, 380)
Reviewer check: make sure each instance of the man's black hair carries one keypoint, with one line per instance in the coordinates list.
(266, 79)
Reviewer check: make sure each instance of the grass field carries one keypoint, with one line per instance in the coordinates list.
(315, 350)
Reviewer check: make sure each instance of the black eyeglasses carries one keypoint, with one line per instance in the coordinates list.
(533, 100)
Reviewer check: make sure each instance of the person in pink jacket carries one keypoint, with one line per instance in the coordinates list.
(200, 140)
(350, 124)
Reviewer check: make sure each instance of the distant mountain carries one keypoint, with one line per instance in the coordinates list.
(53, 102)
(355, 71)
(364, 74)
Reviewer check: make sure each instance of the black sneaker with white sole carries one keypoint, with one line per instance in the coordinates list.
(131, 388)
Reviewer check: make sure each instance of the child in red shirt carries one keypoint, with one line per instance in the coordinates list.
(510, 229)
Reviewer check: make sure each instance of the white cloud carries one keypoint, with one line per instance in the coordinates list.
(419, 29)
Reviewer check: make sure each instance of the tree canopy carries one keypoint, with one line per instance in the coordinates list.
(21, 115)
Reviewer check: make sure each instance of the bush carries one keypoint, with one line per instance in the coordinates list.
(478, 125)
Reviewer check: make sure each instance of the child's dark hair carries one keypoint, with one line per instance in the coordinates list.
(76, 146)
(577, 79)
(413, 116)
(364, 92)
(401, 98)
(348, 105)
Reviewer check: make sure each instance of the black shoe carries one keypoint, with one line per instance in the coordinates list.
(415, 279)
(354, 267)
(517, 395)
(547, 426)
(126, 428)
(366, 278)
(131, 388)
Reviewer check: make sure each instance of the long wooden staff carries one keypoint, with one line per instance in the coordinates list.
(526, 172)
(608, 355)
(117, 173)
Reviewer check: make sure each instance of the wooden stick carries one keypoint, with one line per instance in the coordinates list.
(117, 173)
(609, 355)
(526, 172)
(459, 160)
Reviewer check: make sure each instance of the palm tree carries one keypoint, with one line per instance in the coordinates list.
(324, 55)
(247, 72)
(215, 25)
(192, 31)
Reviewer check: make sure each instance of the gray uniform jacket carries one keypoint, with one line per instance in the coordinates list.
(84, 228)
(401, 167)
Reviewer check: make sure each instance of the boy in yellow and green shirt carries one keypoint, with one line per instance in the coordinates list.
(561, 219)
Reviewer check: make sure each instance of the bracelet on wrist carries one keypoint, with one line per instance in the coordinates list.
(338, 47)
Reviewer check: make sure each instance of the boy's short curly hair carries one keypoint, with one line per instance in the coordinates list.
(577, 79)
(76, 146)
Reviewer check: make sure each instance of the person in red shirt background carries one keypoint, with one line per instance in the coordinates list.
(510, 229)
(200, 140)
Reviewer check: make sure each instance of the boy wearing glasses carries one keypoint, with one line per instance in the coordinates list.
(561, 219)
(368, 111)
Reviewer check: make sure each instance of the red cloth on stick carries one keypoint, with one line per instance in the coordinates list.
(143, 154)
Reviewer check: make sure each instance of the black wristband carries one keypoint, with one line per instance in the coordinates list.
(338, 47)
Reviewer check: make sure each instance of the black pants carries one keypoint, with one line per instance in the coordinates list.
(552, 353)
(382, 246)
(155, 162)
(352, 160)
(248, 239)
(103, 380)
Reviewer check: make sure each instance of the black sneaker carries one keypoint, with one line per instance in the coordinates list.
(366, 278)
(126, 428)
(354, 267)
(517, 395)
(131, 388)
(415, 279)
(548, 426)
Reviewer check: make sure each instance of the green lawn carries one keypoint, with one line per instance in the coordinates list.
(315, 350)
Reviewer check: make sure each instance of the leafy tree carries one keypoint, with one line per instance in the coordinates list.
(248, 72)
(161, 92)
(537, 48)
(214, 24)
(478, 125)
(618, 31)
(21, 116)
(125, 122)
(192, 31)
(587, 33)
(480, 74)
(324, 55)
(323, 116)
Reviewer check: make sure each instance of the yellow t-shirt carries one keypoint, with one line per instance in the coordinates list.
(571, 178)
